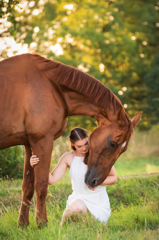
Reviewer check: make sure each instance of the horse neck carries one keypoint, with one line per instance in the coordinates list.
(78, 104)
(83, 94)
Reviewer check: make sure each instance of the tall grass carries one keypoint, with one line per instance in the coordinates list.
(134, 203)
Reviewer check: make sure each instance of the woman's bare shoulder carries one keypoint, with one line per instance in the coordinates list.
(68, 157)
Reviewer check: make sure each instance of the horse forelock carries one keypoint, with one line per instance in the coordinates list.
(80, 82)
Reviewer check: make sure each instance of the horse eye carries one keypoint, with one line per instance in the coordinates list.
(113, 144)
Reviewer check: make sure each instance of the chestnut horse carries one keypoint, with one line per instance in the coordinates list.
(36, 97)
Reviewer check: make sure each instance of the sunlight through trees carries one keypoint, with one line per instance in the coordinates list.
(116, 44)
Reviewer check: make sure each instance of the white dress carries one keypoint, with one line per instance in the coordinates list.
(97, 201)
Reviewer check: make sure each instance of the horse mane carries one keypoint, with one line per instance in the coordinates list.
(80, 82)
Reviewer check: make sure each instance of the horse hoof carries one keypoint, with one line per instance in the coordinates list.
(22, 225)
(41, 224)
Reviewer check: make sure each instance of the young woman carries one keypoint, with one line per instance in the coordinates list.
(83, 198)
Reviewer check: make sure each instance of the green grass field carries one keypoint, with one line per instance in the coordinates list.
(134, 200)
(134, 204)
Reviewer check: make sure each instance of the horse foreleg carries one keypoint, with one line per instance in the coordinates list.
(27, 188)
(43, 149)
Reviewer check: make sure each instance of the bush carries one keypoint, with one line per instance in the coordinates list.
(11, 162)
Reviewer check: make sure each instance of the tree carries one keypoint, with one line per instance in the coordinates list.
(116, 44)
(152, 83)
(7, 10)
(11, 162)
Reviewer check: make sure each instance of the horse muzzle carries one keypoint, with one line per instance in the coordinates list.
(91, 177)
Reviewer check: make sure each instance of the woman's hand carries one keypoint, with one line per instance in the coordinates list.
(91, 188)
(34, 160)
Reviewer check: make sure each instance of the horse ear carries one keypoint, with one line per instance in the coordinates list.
(135, 120)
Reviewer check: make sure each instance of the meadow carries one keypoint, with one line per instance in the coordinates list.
(134, 200)
(134, 203)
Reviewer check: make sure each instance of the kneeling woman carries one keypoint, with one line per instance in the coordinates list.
(83, 198)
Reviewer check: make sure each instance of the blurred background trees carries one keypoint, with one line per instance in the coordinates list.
(117, 44)
(11, 162)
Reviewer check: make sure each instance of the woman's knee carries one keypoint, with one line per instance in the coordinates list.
(77, 205)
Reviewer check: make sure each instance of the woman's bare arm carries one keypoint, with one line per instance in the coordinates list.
(111, 178)
(58, 171)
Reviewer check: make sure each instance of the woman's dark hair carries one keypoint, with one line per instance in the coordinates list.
(77, 134)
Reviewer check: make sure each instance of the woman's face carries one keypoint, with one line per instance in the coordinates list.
(81, 146)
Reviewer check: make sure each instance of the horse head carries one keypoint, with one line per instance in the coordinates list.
(107, 143)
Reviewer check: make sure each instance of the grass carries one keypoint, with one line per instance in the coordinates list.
(134, 203)
(141, 165)
(128, 168)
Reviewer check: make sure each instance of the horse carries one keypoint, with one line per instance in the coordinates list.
(36, 97)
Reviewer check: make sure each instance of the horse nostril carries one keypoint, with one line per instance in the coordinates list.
(94, 182)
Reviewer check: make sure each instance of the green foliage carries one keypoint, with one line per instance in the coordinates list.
(155, 130)
(152, 83)
(11, 162)
(85, 122)
(114, 43)
(7, 10)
